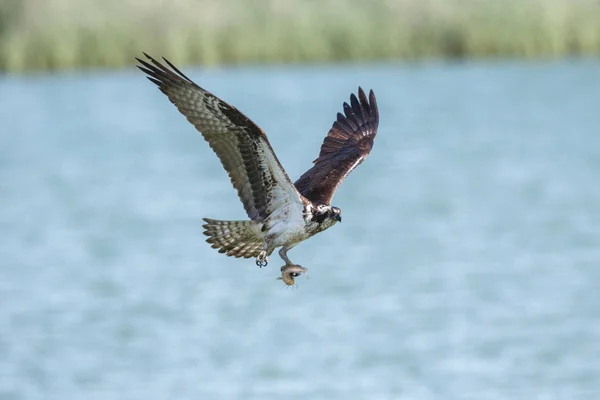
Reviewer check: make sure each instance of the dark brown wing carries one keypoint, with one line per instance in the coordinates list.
(347, 144)
(242, 147)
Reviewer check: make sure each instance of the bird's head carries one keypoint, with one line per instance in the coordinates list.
(336, 214)
(327, 214)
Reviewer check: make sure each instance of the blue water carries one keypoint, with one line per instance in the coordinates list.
(467, 265)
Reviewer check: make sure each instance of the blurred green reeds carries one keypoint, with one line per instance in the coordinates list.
(56, 34)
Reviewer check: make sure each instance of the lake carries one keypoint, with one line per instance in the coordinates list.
(467, 265)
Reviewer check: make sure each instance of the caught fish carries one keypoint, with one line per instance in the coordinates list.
(290, 272)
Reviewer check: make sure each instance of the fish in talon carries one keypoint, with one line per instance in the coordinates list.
(290, 272)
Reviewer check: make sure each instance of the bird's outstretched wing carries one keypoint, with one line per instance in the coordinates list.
(243, 148)
(347, 144)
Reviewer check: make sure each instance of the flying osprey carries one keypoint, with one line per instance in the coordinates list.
(282, 213)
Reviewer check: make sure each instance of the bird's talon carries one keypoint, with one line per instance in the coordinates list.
(262, 260)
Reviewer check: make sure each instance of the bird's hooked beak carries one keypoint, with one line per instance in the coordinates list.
(338, 217)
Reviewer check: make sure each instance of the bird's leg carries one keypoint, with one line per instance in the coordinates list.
(263, 258)
(283, 254)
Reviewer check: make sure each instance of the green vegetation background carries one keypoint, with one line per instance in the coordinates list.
(56, 34)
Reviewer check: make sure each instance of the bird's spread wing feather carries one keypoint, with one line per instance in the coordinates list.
(347, 144)
(240, 144)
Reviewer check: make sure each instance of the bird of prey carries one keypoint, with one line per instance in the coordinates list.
(281, 213)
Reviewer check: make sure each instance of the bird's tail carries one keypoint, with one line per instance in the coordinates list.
(235, 238)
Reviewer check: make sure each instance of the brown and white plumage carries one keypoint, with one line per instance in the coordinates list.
(346, 146)
(281, 214)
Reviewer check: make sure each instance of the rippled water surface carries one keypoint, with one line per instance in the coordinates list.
(467, 265)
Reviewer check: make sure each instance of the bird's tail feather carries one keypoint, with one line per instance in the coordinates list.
(235, 238)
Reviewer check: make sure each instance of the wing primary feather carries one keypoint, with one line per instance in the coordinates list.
(356, 108)
(155, 81)
(159, 75)
(364, 105)
(147, 68)
(374, 108)
(178, 71)
(350, 117)
(159, 66)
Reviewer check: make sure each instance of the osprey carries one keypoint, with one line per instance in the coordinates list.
(282, 213)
